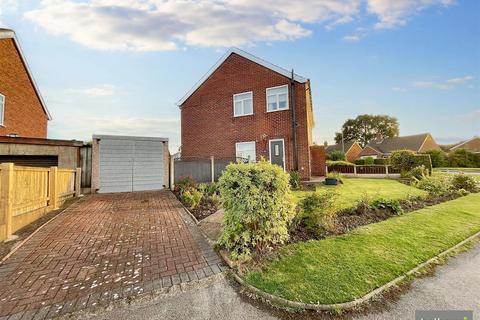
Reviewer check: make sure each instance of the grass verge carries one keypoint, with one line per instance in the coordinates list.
(354, 189)
(343, 268)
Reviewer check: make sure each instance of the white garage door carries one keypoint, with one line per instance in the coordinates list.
(131, 163)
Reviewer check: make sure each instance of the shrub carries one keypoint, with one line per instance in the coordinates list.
(363, 204)
(406, 160)
(438, 158)
(335, 175)
(331, 163)
(258, 205)
(184, 184)
(369, 161)
(418, 173)
(360, 162)
(294, 179)
(380, 162)
(463, 181)
(463, 158)
(318, 210)
(390, 204)
(336, 155)
(208, 189)
(191, 198)
(436, 185)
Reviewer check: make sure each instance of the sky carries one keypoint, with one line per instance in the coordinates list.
(119, 66)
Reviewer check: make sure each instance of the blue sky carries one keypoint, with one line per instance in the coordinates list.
(119, 66)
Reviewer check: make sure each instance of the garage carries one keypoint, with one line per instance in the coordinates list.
(126, 163)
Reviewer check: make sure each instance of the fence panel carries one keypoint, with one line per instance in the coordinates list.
(341, 169)
(65, 184)
(371, 170)
(30, 190)
(86, 165)
(200, 169)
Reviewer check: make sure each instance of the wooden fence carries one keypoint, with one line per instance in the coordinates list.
(377, 171)
(27, 193)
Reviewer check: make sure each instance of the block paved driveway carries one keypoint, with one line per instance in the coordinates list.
(104, 248)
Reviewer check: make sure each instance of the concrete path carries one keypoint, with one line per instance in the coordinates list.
(102, 249)
(454, 286)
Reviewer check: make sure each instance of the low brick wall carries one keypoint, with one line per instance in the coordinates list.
(318, 159)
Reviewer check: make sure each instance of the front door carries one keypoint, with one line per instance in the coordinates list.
(277, 152)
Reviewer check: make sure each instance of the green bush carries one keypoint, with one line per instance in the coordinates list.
(369, 161)
(184, 184)
(436, 185)
(191, 198)
(463, 158)
(258, 205)
(406, 160)
(360, 162)
(295, 179)
(390, 204)
(331, 163)
(336, 155)
(438, 158)
(418, 173)
(208, 189)
(335, 175)
(318, 210)
(380, 162)
(463, 181)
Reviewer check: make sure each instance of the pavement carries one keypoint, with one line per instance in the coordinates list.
(455, 285)
(101, 249)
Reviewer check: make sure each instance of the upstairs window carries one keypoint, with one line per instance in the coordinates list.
(277, 98)
(2, 108)
(242, 104)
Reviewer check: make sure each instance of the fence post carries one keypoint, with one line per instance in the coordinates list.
(172, 173)
(386, 171)
(52, 187)
(355, 170)
(7, 197)
(78, 182)
(212, 164)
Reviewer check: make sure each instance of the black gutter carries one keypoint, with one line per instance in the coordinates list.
(294, 122)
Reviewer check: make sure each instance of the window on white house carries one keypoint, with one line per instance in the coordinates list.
(246, 150)
(242, 104)
(277, 98)
(2, 108)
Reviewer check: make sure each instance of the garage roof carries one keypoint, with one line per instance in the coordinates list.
(115, 137)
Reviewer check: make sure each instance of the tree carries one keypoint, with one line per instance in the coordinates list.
(336, 155)
(463, 158)
(367, 127)
(439, 158)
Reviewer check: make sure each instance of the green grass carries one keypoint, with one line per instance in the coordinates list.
(354, 189)
(342, 268)
(457, 169)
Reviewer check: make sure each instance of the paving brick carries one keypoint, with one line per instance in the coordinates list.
(104, 248)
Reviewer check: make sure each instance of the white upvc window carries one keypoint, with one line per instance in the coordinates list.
(243, 104)
(277, 98)
(246, 150)
(2, 108)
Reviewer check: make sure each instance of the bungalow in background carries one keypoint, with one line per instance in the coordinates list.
(472, 145)
(351, 149)
(381, 149)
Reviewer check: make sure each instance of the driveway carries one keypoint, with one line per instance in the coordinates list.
(104, 248)
(454, 286)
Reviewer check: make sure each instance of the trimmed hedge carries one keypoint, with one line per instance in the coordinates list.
(331, 163)
(406, 160)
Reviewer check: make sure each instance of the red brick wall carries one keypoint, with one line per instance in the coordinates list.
(353, 153)
(318, 157)
(208, 125)
(24, 114)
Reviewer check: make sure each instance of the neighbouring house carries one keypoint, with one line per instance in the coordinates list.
(23, 112)
(247, 107)
(472, 145)
(382, 148)
(351, 149)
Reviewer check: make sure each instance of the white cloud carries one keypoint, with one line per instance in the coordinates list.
(471, 117)
(444, 85)
(7, 7)
(399, 89)
(394, 13)
(154, 25)
(98, 91)
(352, 38)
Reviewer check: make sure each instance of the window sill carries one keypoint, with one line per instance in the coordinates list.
(244, 115)
(278, 110)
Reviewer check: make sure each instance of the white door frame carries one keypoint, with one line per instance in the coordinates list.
(270, 149)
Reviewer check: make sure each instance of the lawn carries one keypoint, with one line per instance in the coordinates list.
(457, 169)
(342, 268)
(353, 189)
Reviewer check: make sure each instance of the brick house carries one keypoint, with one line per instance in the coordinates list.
(382, 148)
(23, 112)
(472, 145)
(247, 107)
(351, 149)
